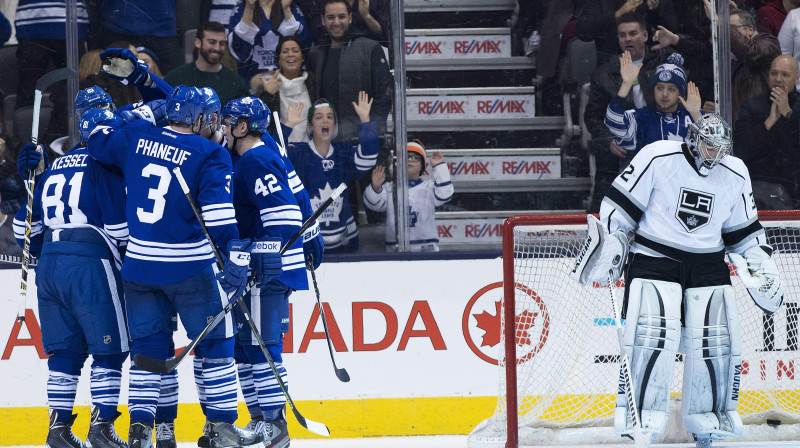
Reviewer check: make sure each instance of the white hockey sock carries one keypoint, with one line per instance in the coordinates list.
(249, 389)
(219, 380)
(270, 396)
(61, 388)
(168, 398)
(106, 384)
(143, 391)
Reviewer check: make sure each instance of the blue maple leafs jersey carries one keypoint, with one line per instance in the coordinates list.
(77, 192)
(321, 175)
(167, 244)
(266, 207)
(300, 193)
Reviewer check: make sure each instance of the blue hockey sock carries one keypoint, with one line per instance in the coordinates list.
(249, 390)
(144, 386)
(270, 396)
(62, 383)
(198, 381)
(106, 382)
(167, 409)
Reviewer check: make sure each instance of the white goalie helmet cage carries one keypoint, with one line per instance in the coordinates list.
(716, 133)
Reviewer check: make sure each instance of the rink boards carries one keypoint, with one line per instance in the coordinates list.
(418, 338)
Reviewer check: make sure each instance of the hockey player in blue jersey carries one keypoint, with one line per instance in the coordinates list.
(170, 265)
(78, 226)
(323, 165)
(266, 210)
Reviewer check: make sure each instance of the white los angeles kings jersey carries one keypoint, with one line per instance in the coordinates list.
(679, 214)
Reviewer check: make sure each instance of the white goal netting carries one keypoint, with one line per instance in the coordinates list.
(567, 350)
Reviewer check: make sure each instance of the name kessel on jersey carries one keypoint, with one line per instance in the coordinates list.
(694, 209)
(161, 151)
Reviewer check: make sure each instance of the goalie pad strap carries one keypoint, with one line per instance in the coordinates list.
(713, 363)
(652, 338)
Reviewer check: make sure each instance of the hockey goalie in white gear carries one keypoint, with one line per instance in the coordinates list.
(601, 252)
(684, 216)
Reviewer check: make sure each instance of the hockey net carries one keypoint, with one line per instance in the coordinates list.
(560, 386)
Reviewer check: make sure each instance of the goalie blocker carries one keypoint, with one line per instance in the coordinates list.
(601, 252)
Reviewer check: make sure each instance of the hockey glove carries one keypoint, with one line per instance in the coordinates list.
(30, 156)
(233, 278)
(601, 252)
(760, 275)
(155, 112)
(313, 246)
(122, 64)
(266, 260)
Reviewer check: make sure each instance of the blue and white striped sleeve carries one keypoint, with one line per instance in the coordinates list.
(621, 123)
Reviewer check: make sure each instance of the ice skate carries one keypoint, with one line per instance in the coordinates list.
(704, 442)
(102, 433)
(140, 436)
(228, 435)
(165, 435)
(276, 433)
(60, 434)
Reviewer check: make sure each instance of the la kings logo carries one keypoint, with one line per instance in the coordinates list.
(694, 209)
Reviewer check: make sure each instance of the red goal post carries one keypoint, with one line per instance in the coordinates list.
(559, 362)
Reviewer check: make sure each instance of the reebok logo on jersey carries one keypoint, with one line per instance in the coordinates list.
(694, 209)
(267, 247)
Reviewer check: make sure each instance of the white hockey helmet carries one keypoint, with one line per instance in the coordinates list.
(717, 135)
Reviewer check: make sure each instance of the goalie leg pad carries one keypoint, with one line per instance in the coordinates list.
(601, 252)
(652, 338)
(713, 364)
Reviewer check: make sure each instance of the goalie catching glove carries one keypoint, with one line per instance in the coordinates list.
(601, 252)
(760, 275)
(122, 64)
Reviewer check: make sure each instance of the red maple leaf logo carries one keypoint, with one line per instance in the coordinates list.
(490, 324)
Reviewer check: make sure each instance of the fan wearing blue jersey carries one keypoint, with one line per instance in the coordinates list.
(323, 165)
(266, 211)
(170, 265)
(78, 227)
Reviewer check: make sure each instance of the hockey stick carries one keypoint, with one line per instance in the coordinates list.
(41, 85)
(168, 365)
(340, 373)
(15, 259)
(640, 438)
(278, 129)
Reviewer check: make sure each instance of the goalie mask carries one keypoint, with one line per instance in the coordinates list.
(709, 139)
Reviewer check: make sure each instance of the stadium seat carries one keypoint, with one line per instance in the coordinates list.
(23, 121)
(8, 69)
(9, 104)
(188, 45)
(187, 15)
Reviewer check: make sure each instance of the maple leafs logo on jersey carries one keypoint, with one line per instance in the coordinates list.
(694, 209)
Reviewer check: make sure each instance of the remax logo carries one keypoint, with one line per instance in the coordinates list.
(486, 230)
(429, 47)
(467, 168)
(477, 47)
(440, 107)
(501, 106)
(526, 167)
(481, 324)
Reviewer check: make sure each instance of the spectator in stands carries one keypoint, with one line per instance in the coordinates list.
(597, 21)
(149, 58)
(5, 29)
(207, 69)
(120, 93)
(370, 19)
(254, 31)
(346, 65)
(7, 241)
(789, 36)
(767, 135)
(697, 53)
(289, 85)
(754, 52)
(323, 166)
(90, 64)
(424, 195)
(42, 41)
(606, 81)
(148, 23)
(633, 129)
(772, 14)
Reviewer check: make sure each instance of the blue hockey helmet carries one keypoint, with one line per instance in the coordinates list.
(92, 98)
(252, 108)
(96, 117)
(211, 105)
(184, 105)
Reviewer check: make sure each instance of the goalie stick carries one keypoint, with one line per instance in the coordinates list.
(340, 373)
(41, 85)
(640, 438)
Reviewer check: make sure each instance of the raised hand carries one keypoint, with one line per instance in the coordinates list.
(436, 158)
(692, 102)
(363, 107)
(709, 107)
(665, 38)
(628, 6)
(628, 73)
(272, 84)
(363, 8)
(295, 115)
(780, 99)
(378, 177)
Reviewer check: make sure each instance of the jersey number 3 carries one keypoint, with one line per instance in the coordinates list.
(155, 194)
